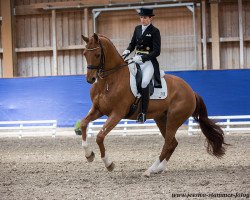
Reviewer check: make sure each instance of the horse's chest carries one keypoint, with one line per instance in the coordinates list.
(104, 103)
(107, 97)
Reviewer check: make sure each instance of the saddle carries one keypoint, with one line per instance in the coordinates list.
(135, 86)
(135, 83)
(138, 80)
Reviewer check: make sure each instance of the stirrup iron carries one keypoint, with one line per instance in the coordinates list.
(141, 118)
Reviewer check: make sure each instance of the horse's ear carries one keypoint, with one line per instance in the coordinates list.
(96, 37)
(86, 39)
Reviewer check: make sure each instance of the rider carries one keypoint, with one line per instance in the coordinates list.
(146, 41)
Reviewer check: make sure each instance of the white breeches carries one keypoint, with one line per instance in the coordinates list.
(147, 73)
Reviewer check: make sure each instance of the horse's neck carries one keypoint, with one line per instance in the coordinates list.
(119, 80)
(113, 58)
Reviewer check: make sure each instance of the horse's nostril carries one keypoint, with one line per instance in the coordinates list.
(91, 80)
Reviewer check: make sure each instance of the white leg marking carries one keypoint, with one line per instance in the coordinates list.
(87, 150)
(152, 169)
(106, 161)
(162, 167)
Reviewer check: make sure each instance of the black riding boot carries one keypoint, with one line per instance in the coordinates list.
(144, 105)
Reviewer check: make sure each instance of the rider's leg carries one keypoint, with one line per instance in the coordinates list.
(147, 73)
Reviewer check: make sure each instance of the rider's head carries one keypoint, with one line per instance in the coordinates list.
(146, 16)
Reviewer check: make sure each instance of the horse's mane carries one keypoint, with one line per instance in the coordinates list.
(100, 35)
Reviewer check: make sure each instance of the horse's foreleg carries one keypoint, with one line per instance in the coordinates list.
(91, 116)
(111, 122)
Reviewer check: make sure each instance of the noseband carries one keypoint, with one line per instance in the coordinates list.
(102, 73)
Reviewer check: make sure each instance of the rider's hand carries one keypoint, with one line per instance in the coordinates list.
(137, 59)
(125, 53)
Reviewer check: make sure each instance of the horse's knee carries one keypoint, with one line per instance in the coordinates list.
(99, 139)
(84, 124)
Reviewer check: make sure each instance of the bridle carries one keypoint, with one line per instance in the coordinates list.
(102, 72)
(102, 60)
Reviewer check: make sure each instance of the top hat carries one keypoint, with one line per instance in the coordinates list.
(146, 12)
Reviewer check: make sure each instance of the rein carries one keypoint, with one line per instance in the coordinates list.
(106, 72)
(103, 73)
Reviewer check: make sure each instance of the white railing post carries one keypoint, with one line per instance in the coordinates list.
(89, 130)
(125, 128)
(228, 126)
(190, 128)
(21, 131)
(54, 129)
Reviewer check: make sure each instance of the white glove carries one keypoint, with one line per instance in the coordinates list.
(126, 52)
(137, 59)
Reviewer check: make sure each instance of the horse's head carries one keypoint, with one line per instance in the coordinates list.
(94, 56)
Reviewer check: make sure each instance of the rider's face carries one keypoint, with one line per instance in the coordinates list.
(145, 20)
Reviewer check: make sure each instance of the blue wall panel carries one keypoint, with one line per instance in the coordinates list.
(66, 98)
(225, 92)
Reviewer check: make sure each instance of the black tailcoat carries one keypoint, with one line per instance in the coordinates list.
(149, 41)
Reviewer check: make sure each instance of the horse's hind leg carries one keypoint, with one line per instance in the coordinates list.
(175, 118)
(168, 148)
(161, 123)
(172, 147)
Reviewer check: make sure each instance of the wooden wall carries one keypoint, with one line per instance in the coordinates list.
(177, 33)
(1, 50)
(36, 31)
(229, 28)
(181, 47)
(229, 35)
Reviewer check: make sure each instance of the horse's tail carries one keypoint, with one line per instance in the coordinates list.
(213, 132)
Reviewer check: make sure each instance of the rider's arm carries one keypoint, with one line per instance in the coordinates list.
(132, 44)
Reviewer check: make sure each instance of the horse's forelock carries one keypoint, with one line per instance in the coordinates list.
(92, 42)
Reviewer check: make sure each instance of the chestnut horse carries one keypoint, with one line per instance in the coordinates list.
(111, 96)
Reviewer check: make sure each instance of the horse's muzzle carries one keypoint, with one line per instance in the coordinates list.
(92, 80)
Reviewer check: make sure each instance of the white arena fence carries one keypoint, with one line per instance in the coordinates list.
(125, 127)
(237, 123)
(34, 128)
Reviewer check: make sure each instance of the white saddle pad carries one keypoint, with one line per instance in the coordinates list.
(159, 93)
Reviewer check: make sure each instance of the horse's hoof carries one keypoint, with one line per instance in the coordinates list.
(161, 171)
(91, 157)
(146, 173)
(111, 167)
